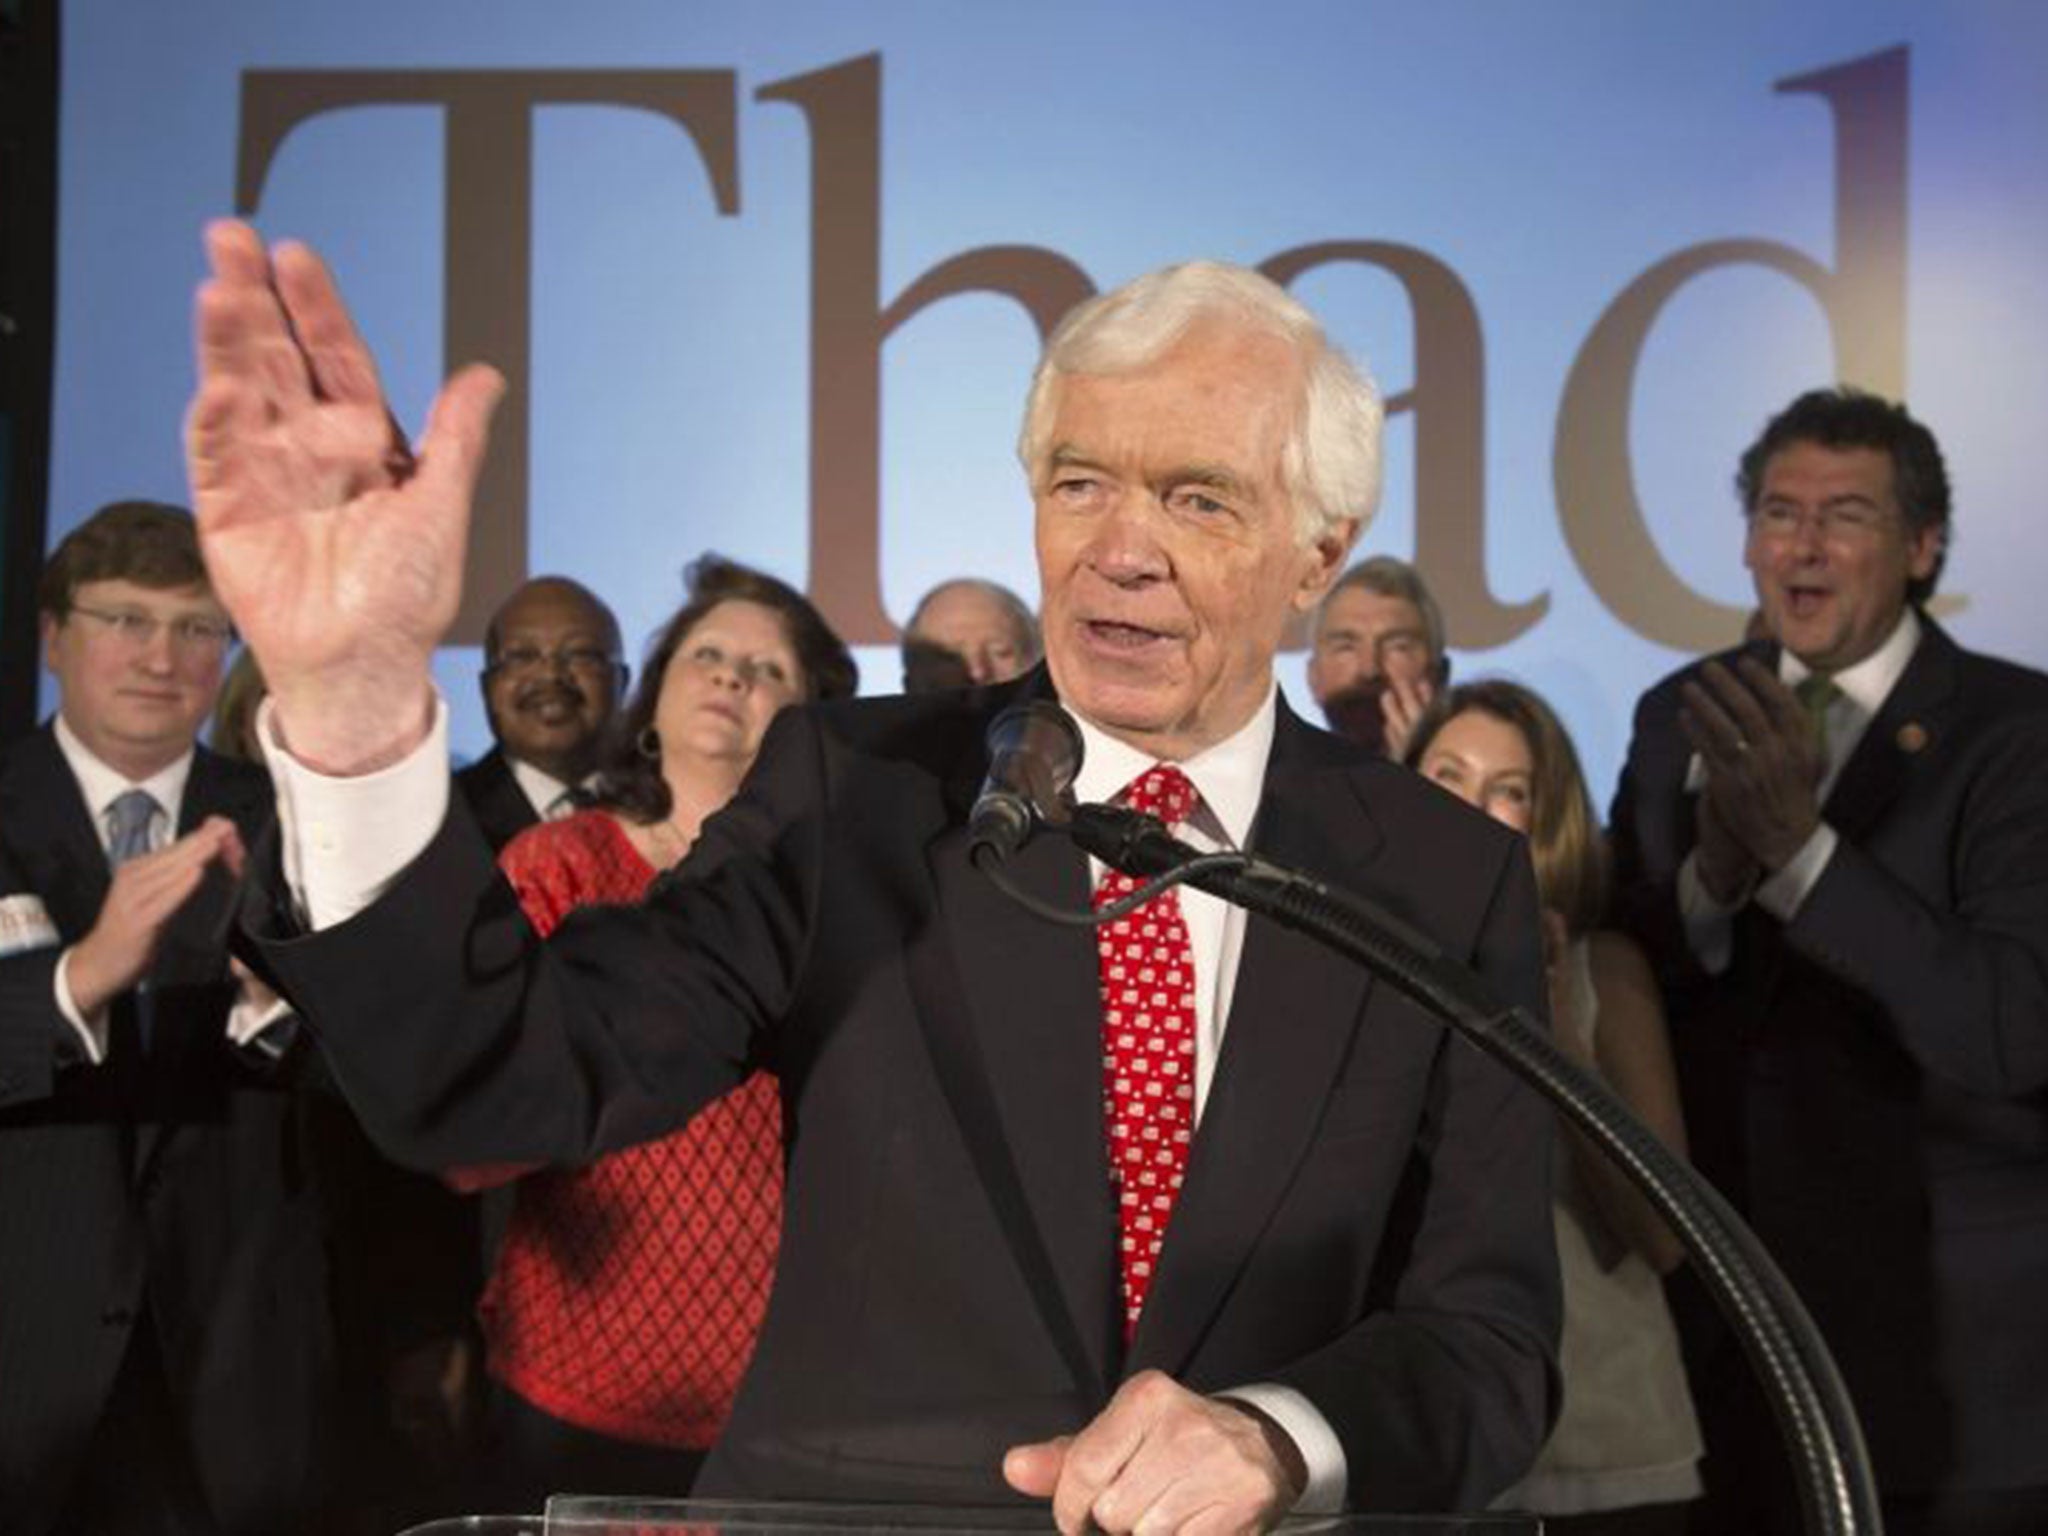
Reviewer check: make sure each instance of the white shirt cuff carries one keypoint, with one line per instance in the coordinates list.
(1785, 892)
(248, 1019)
(1321, 1451)
(344, 840)
(1709, 926)
(92, 1033)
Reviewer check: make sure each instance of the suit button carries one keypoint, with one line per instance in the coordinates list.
(118, 1317)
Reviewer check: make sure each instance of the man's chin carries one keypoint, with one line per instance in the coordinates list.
(1124, 708)
(1809, 643)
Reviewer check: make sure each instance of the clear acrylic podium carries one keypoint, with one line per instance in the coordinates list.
(585, 1516)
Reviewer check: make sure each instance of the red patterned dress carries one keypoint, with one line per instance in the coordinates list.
(627, 1294)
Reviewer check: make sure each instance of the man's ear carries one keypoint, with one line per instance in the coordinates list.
(1327, 553)
(1923, 550)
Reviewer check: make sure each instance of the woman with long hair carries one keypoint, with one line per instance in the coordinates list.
(1624, 1455)
(625, 1298)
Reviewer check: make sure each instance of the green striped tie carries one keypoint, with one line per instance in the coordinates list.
(1816, 692)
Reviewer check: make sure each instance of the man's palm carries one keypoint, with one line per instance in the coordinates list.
(338, 554)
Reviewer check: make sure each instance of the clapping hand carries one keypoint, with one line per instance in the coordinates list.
(1403, 705)
(1763, 769)
(335, 546)
(142, 898)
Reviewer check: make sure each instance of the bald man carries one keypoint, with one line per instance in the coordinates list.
(968, 632)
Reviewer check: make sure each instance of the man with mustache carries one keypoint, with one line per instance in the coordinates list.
(551, 680)
(1178, 1224)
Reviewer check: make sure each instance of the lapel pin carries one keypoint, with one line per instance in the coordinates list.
(1912, 736)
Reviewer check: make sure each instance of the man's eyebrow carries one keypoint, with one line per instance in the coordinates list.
(1786, 498)
(1216, 476)
(1220, 476)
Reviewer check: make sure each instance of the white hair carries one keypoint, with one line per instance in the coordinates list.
(1330, 462)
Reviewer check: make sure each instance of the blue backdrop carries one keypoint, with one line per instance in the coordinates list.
(1540, 166)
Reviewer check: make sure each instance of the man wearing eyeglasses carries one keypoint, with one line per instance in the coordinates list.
(1835, 845)
(165, 1351)
(1177, 1282)
(551, 680)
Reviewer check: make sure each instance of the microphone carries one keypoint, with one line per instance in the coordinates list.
(1034, 752)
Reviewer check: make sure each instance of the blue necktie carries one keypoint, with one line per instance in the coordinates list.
(130, 817)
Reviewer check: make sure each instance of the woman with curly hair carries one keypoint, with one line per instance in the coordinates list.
(623, 1306)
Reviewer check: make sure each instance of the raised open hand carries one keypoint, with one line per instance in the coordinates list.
(336, 548)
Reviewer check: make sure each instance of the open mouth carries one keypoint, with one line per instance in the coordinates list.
(1111, 635)
(551, 708)
(1805, 602)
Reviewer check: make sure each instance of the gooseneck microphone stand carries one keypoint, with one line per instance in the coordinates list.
(1837, 1493)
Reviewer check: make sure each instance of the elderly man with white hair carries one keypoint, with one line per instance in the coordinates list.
(1180, 1224)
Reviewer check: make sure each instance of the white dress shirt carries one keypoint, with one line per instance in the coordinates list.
(1230, 777)
(345, 840)
(1863, 688)
(550, 798)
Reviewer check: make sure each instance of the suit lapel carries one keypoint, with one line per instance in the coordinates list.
(188, 1037)
(1009, 1005)
(1911, 720)
(1294, 1010)
(500, 805)
(1032, 1007)
(50, 827)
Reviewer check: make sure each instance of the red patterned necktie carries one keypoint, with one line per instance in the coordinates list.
(1148, 1047)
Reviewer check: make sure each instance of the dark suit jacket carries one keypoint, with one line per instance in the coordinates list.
(176, 1182)
(1366, 1212)
(1869, 1082)
(495, 799)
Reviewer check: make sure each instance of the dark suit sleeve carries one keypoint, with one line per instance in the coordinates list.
(1962, 985)
(462, 1039)
(1650, 833)
(35, 1037)
(1444, 1393)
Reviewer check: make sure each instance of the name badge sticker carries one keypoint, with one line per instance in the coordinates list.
(24, 925)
